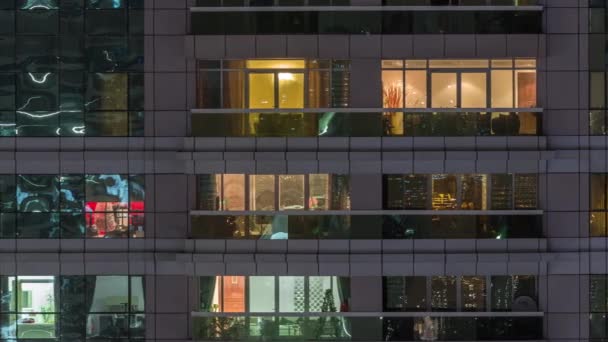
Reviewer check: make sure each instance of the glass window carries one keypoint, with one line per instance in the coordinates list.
(37, 193)
(444, 90)
(36, 306)
(291, 192)
(106, 22)
(473, 90)
(502, 89)
(261, 294)
(598, 295)
(43, 22)
(473, 192)
(473, 292)
(8, 199)
(319, 192)
(405, 294)
(502, 192)
(107, 91)
(415, 89)
(107, 124)
(444, 192)
(292, 296)
(525, 191)
(289, 84)
(443, 293)
(598, 191)
(37, 92)
(261, 90)
(107, 205)
(262, 192)
(460, 83)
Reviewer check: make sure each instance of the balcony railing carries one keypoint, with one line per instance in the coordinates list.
(367, 225)
(367, 326)
(342, 122)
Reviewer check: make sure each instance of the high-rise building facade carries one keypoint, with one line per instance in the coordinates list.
(352, 170)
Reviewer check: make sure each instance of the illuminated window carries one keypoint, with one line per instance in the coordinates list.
(273, 192)
(270, 84)
(266, 294)
(459, 83)
(598, 204)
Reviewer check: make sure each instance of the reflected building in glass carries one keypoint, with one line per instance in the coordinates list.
(319, 170)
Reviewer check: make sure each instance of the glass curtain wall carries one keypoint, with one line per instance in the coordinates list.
(71, 68)
(72, 206)
(461, 191)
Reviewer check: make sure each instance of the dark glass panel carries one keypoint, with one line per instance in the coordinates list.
(37, 22)
(37, 92)
(37, 53)
(35, 123)
(8, 199)
(7, 91)
(106, 22)
(100, 124)
(38, 225)
(7, 124)
(7, 22)
(37, 193)
(72, 123)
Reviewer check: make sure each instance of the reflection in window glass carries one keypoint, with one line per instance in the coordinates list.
(443, 293)
(262, 192)
(444, 192)
(502, 192)
(261, 294)
(415, 89)
(319, 192)
(473, 292)
(405, 294)
(473, 192)
(37, 193)
(291, 192)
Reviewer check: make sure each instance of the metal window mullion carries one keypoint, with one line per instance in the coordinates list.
(277, 191)
(306, 191)
(277, 296)
(459, 88)
(277, 101)
(429, 294)
(459, 293)
(488, 290)
(459, 187)
(513, 177)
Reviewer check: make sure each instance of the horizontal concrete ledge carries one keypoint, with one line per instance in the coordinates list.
(368, 212)
(380, 315)
(365, 8)
(364, 110)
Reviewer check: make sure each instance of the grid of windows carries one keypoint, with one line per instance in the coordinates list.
(72, 206)
(598, 29)
(598, 306)
(71, 68)
(461, 191)
(70, 308)
(465, 293)
(232, 192)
